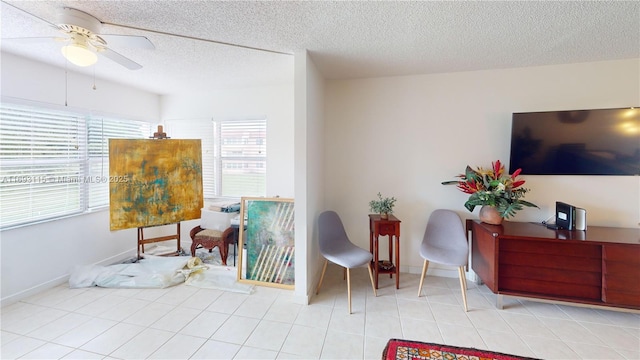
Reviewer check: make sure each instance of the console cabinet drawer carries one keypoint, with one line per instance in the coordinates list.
(544, 248)
(621, 298)
(386, 229)
(621, 253)
(621, 275)
(551, 269)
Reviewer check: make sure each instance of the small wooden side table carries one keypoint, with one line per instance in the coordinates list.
(385, 227)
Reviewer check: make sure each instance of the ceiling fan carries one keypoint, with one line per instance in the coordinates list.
(84, 40)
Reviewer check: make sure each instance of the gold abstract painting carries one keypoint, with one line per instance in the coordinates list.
(158, 182)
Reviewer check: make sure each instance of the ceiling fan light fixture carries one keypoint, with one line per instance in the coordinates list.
(78, 54)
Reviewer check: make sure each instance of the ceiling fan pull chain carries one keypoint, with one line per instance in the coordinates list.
(66, 83)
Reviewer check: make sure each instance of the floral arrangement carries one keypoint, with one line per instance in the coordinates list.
(493, 187)
(382, 205)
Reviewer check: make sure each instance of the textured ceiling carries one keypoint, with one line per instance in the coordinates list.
(345, 39)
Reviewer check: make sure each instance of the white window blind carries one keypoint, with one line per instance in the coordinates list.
(203, 130)
(99, 131)
(42, 155)
(55, 163)
(241, 156)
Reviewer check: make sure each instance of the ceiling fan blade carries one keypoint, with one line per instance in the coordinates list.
(120, 59)
(132, 41)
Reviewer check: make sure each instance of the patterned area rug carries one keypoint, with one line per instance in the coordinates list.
(397, 349)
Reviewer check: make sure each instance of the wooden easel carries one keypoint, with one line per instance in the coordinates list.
(142, 241)
(160, 134)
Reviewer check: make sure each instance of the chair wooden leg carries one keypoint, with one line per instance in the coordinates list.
(324, 268)
(463, 285)
(424, 272)
(349, 288)
(223, 254)
(373, 284)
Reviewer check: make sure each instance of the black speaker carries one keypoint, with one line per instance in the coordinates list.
(565, 215)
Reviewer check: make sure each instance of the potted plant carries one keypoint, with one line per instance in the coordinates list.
(499, 193)
(383, 206)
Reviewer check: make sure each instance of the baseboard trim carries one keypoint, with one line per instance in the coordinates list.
(434, 270)
(14, 298)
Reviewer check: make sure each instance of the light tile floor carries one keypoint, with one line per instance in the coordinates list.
(185, 322)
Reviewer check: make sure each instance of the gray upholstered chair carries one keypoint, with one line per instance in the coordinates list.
(445, 242)
(336, 247)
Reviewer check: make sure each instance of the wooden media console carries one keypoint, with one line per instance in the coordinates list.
(599, 266)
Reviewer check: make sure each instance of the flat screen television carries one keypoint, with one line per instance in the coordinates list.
(580, 142)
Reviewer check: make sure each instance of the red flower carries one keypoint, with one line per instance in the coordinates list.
(469, 186)
(498, 169)
(517, 183)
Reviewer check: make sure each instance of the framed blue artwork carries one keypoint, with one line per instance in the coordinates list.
(269, 242)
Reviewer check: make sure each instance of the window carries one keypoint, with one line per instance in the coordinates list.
(54, 163)
(234, 154)
(242, 162)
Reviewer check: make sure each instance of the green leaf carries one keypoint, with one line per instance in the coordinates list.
(470, 206)
(469, 173)
(452, 182)
(526, 203)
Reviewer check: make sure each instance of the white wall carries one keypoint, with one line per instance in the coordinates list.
(403, 136)
(309, 170)
(25, 81)
(39, 256)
